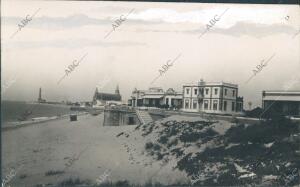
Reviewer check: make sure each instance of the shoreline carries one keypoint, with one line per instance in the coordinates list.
(36, 120)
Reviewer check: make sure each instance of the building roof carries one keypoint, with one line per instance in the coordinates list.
(154, 93)
(283, 95)
(153, 96)
(282, 92)
(171, 91)
(203, 83)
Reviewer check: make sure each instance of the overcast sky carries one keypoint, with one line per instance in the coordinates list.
(132, 55)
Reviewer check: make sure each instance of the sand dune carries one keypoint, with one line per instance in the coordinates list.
(54, 151)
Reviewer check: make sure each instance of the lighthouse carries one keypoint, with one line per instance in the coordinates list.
(40, 100)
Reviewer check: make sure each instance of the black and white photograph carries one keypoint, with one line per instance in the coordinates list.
(149, 94)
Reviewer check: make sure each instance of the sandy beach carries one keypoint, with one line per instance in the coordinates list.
(84, 149)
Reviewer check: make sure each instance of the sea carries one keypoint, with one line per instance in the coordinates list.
(15, 111)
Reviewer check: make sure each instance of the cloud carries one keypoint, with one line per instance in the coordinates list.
(69, 22)
(44, 22)
(202, 16)
(69, 43)
(111, 9)
(169, 15)
(240, 28)
(256, 29)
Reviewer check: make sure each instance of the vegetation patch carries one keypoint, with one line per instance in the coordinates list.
(53, 172)
(248, 153)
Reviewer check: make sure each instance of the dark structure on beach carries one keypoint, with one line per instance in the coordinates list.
(120, 116)
(283, 102)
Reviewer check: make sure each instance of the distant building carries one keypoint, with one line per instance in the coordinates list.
(212, 97)
(156, 97)
(285, 102)
(102, 99)
(40, 100)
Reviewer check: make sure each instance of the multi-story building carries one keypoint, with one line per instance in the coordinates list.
(285, 102)
(156, 97)
(212, 97)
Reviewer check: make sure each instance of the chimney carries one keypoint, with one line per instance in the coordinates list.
(201, 82)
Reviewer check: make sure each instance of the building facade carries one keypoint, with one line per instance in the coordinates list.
(285, 102)
(210, 97)
(156, 97)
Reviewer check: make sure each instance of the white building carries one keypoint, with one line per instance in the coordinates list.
(156, 97)
(285, 102)
(212, 97)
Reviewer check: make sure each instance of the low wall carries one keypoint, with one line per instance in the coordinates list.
(221, 117)
(166, 113)
(116, 117)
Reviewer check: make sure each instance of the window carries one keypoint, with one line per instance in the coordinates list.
(201, 91)
(215, 105)
(196, 91)
(206, 91)
(187, 103)
(225, 105)
(130, 120)
(233, 93)
(194, 104)
(187, 91)
(232, 106)
(167, 101)
(225, 91)
(205, 104)
(216, 91)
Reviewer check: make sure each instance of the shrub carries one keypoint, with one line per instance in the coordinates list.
(189, 136)
(177, 151)
(195, 136)
(156, 147)
(173, 131)
(123, 183)
(53, 172)
(148, 145)
(173, 142)
(264, 132)
(227, 179)
(159, 156)
(23, 176)
(72, 182)
(163, 140)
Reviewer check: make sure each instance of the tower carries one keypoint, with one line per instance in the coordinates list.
(117, 90)
(40, 95)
